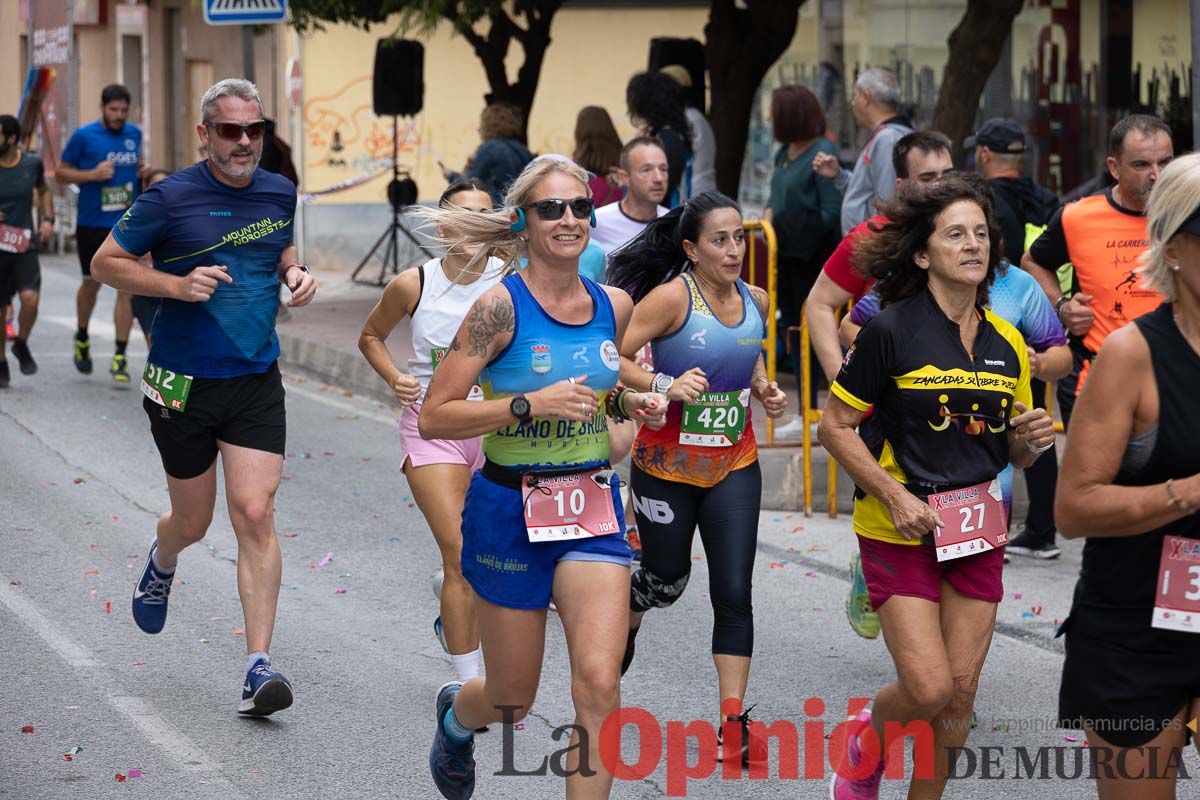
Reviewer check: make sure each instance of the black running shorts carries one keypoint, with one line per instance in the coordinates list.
(247, 412)
(19, 272)
(87, 242)
(1123, 679)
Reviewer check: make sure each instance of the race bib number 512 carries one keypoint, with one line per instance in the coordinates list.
(168, 389)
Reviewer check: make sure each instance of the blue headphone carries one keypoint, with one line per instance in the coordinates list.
(519, 225)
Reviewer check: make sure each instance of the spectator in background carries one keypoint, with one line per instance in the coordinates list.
(703, 140)
(657, 108)
(875, 105)
(276, 157)
(804, 207)
(501, 156)
(598, 150)
(643, 173)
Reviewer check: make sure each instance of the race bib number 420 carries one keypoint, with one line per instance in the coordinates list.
(1177, 599)
(569, 506)
(168, 389)
(716, 419)
(975, 520)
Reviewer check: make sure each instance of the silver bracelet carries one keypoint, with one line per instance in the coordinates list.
(1037, 450)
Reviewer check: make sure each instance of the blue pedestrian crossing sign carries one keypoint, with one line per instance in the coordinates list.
(244, 12)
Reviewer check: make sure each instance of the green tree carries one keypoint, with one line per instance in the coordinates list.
(525, 21)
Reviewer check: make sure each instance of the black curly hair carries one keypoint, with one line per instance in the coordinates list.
(658, 101)
(912, 214)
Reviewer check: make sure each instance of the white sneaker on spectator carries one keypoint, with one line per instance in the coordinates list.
(792, 430)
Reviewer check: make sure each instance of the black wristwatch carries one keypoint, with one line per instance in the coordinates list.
(519, 406)
(1058, 304)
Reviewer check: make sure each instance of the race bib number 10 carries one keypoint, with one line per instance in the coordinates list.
(168, 389)
(716, 419)
(975, 520)
(569, 506)
(1177, 600)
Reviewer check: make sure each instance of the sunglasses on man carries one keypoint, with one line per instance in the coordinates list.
(551, 210)
(233, 131)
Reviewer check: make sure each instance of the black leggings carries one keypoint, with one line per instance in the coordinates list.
(667, 515)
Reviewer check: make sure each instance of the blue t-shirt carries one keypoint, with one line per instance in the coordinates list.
(101, 203)
(191, 219)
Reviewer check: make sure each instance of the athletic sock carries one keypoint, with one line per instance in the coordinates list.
(253, 657)
(466, 666)
(121, 347)
(81, 334)
(454, 729)
(159, 567)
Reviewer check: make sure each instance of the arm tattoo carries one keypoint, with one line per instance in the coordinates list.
(483, 325)
(454, 343)
(760, 299)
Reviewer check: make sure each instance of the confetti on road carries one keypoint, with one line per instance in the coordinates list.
(120, 778)
(26, 729)
(107, 606)
(1071, 738)
(775, 565)
(139, 663)
(290, 535)
(204, 641)
(239, 632)
(79, 481)
(135, 773)
(339, 591)
(215, 619)
(92, 571)
(324, 561)
(797, 529)
(810, 574)
(1018, 596)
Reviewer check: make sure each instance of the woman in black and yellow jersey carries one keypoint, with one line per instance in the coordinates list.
(949, 381)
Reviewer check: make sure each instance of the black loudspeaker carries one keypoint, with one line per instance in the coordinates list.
(398, 87)
(689, 53)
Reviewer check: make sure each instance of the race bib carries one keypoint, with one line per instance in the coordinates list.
(436, 355)
(1177, 600)
(569, 506)
(116, 198)
(14, 239)
(716, 419)
(168, 389)
(975, 520)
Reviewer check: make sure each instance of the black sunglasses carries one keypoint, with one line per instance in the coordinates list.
(233, 131)
(551, 210)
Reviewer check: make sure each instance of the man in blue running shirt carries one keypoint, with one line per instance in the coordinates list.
(104, 159)
(221, 236)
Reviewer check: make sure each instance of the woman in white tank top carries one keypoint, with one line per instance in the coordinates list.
(437, 296)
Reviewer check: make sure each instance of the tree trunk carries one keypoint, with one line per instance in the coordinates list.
(492, 50)
(975, 48)
(741, 45)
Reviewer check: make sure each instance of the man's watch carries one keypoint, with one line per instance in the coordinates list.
(661, 382)
(1058, 304)
(520, 408)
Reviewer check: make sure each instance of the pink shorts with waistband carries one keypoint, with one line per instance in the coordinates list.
(421, 452)
(914, 571)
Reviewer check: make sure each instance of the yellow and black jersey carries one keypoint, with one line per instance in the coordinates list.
(941, 415)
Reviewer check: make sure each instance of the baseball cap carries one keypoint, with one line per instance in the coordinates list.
(999, 135)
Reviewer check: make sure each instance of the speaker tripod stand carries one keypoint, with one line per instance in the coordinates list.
(401, 195)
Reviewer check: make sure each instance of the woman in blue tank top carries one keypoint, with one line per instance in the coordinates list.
(543, 516)
(705, 328)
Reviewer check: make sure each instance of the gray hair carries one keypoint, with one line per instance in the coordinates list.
(1175, 197)
(881, 85)
(230, 87)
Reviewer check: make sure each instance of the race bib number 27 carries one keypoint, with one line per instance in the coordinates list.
(975, 519)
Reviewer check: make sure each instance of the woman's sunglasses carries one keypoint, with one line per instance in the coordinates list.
(551, 210)
(233, 131)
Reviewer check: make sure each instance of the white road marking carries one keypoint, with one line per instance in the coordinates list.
(163, 734)
(23, 610)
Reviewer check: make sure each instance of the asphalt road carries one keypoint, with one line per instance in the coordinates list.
(81, 486)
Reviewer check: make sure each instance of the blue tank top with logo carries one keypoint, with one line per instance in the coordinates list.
(545, 351)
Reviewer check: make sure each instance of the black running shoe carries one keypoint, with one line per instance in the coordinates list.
(754, 749)
(20, 349)
(1025, 544)
(5, 380)
(452, 765)
(627, 659)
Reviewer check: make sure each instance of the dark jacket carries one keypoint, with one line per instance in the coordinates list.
(1020, 201)
(497, 163)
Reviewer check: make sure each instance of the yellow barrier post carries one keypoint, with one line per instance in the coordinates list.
(768, 233)
(806, 409)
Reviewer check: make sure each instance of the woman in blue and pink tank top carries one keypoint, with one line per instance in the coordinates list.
(705, 327)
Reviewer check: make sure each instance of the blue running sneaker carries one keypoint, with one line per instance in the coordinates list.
(265, 690)
(452, 765)
(440, 633)
(150, 595)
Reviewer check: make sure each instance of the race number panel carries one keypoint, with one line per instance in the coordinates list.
(716, 419)
(1177, 599)
(975, 520)
(569, 506)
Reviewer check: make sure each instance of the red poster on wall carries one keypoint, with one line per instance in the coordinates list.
(45, 103)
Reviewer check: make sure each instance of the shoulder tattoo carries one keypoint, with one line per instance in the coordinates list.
(760, 299)
(484, 322)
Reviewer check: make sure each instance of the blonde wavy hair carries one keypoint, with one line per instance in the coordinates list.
(491, 231)
(1175, 197)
